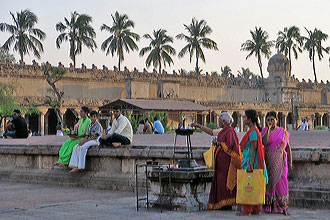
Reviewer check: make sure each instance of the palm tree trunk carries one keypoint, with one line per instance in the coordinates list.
(119, 62)
(74, 61)
(197, 69)
(290, 61)
(260, 66)
(160, 66)
(21, 55)
(314, 66)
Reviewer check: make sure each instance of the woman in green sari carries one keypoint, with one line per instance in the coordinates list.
(66, 149)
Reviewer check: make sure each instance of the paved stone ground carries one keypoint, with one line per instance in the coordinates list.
(20, 201)
(298, 138)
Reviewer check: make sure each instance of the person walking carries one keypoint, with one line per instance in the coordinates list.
(278, 161)
(252, 153)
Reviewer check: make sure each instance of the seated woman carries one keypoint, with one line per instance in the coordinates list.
(252, 153)
(227, 161)
(148, 129)
(79, 153)
(278, 160)
(66, 149)
(141, 127)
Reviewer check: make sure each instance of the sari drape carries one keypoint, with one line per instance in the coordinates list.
(67, 147)
(259, 159)
(227, 161)
(277, 189)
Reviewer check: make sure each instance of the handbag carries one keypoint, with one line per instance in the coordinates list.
(251, 187)
(209, 157)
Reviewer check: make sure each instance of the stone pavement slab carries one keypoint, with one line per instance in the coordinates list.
(297, 138)
(20, 201)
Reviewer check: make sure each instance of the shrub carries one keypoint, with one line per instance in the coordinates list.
(212, 125)
(320, 128)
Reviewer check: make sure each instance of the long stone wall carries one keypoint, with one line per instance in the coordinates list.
(114, 169)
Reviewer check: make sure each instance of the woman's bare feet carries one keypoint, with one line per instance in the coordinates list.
(285, 212)
(116, 144)
(74, 170)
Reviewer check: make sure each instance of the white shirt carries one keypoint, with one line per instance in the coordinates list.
(304, 126)
(122, 126)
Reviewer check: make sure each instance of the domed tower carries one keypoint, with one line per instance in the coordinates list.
(278, 65)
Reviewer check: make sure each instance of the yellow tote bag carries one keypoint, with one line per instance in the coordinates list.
(251, 187)
(209, 157)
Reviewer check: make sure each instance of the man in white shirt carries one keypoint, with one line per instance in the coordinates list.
(303, 126)
(121, 132)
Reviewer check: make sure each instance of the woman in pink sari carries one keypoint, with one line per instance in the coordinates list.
(278, 161)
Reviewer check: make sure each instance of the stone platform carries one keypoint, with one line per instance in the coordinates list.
(31, 161)
(20, 201)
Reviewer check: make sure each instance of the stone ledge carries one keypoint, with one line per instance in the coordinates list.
(310, 154)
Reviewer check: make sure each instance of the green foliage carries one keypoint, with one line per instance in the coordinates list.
(289, 40)
(245, 73)
(313, 44)
(163, 117)
(226, 71)
(121, 37)
(78, 32)
(196, 39)
(213, 125)
(5, 56)
(7, 102)
(321, 127)
(24, 36)
(259, 45)
(32, 109)
(159, 48)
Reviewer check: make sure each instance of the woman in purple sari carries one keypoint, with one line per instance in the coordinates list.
(278, 161)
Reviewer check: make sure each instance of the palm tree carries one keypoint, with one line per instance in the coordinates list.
(23, 34)
(121, 37)
(226, 71)
(78, 32)
(159, 48)
(245, 73)
(197, 39)
(287, 40)
(313, 44)
(258, 46)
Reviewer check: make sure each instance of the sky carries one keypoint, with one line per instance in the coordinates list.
(230, 20)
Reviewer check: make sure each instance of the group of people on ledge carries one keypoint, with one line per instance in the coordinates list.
(267, 149)
(89, 133)
(147, 127)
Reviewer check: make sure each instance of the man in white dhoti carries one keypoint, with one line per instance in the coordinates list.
(78, 157)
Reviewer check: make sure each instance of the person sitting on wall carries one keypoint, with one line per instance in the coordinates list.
(304, 125)
(121, 132)
(140, 127)
(148, 129)
(159, 129)
(59, 130)
(78, 157)
(17, 128)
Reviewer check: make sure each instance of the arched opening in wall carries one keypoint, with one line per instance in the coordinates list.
(324, 96)
(317, 120)
(214, 117)
(235, 119)
(50, 122)
(280, 119)
(69, 118)
(33, 122)
(208, 118)
(200, 119)
(289, 121)
(325, 120)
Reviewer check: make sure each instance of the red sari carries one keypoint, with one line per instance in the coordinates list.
(227, 161)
